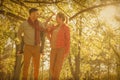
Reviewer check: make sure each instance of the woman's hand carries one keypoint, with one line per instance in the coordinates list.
(49, 27)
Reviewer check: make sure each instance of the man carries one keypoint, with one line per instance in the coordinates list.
(31, 30)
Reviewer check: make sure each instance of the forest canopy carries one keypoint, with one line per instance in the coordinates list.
(95, 38)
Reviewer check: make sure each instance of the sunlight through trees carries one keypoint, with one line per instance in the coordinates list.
(95, 38)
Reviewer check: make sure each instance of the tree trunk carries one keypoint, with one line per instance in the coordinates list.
(77, 58)
(71, 67)
(17, 69)
(18, 63)
(118, 70)
(77, 68)
(108, 70)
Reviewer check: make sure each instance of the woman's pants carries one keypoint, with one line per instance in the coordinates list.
(56, 62)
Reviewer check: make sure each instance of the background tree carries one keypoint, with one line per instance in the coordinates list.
(95, 38)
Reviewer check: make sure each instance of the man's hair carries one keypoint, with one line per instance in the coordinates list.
(32, 10)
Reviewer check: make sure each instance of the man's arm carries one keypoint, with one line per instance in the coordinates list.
(42, 35)
(20, 39)
(46, 23)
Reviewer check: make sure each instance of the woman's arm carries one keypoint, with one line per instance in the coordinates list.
(49, 31)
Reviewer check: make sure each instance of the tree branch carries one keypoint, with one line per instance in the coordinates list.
(19, 3)
(77, 2)
(1, 3)
(71, 67)
(12, 15)
(44, 2)
(116, 53)
(62, 10)
(7, 8)
(93, 7)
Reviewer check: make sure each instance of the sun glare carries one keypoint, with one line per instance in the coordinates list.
(108, 12)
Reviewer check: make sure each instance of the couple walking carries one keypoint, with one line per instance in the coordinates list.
(59, 36)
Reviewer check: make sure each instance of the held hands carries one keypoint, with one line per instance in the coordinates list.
(42, 53)
(19, 53)
(53, 14)
(49, 26)
(49, 18)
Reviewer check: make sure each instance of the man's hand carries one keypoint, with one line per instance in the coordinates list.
(49, 26)
(42, 53)
(19, 53)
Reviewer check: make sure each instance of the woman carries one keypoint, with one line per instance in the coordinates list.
(59, 37)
